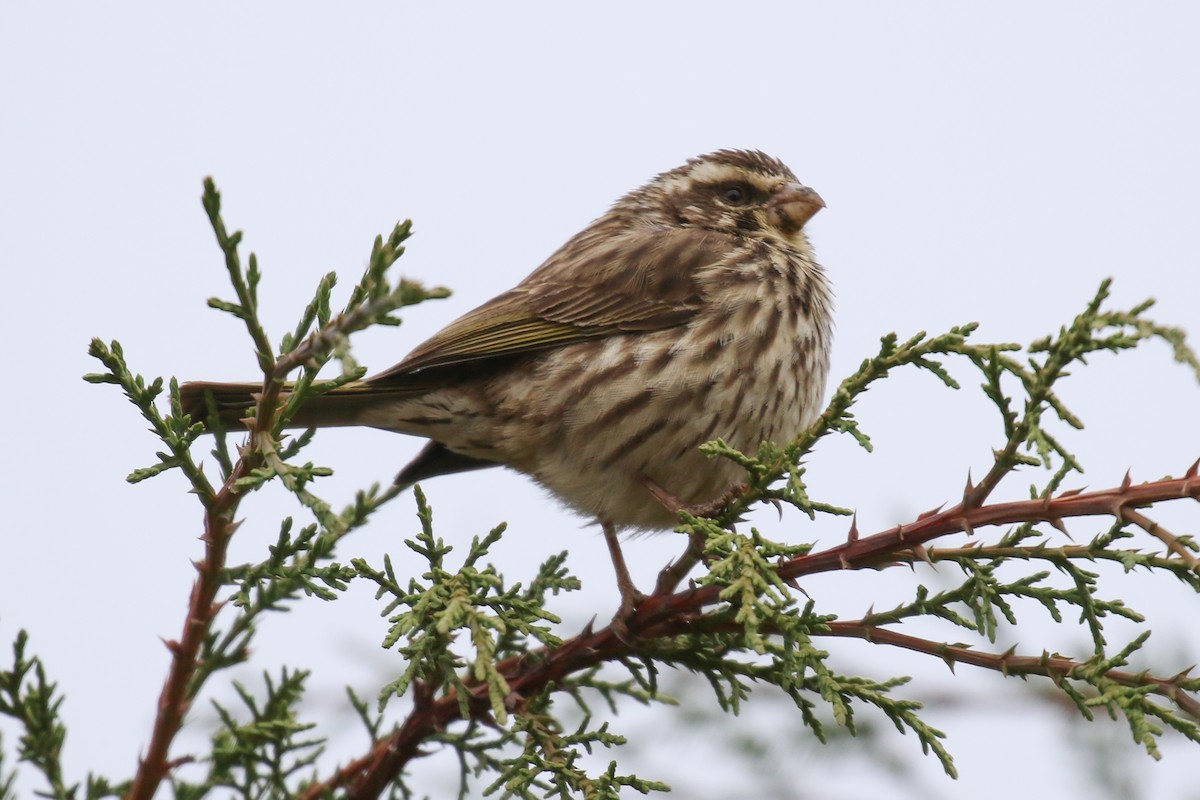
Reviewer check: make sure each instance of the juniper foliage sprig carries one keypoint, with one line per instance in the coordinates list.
(296, 565)
(263, 749)
(497, 620)
(26, 694)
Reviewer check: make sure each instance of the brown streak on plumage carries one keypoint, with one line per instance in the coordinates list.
(616, 411)
(631, 443)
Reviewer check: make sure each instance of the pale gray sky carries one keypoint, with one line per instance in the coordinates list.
(989, 164)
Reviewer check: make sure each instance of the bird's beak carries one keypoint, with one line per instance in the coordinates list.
(792, 207)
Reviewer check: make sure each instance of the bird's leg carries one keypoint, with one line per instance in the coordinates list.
(630, 596)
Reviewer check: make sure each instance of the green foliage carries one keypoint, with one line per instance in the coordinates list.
(263, 756)
(547, 765)
(487, 671)
(27, 695)
(498, 621)
(7, 779)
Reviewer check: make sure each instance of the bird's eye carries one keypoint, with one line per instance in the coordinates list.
(735, 194)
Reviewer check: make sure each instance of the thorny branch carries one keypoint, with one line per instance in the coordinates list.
(665, 615)
(367, 305)
(176, 696)
(964, 518)
(1010, 664)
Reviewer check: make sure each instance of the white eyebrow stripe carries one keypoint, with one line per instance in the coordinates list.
(711, 173)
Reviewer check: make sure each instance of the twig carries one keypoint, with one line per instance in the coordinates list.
(1163, 535)
(883, 547)
(1011, 664)
(175, 699)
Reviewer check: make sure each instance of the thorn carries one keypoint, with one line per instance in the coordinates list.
(1193, 470)
(931, 512)
(588, 629)
(852, 535)
(1072, 492)
(844, 561)
(1061, 527)
(900, 532)
(778, 506)
(172, 645)
(968, 492)
(1125, 484)
(949, 658)
(920, 552)
(967, 527)
(1182, 675)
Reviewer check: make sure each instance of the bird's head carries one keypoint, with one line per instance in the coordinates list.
(738, 192)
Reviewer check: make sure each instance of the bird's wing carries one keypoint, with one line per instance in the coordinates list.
(600, 287)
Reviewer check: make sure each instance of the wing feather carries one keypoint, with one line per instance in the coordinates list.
(598, 284)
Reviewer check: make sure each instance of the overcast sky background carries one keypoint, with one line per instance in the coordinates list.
(989, 165)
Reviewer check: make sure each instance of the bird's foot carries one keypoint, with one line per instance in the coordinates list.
(630, 599)
(672, 574)
(706, 509)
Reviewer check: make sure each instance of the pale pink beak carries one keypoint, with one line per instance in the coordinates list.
(793, 206)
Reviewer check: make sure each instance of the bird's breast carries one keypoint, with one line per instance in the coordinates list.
(613, 413)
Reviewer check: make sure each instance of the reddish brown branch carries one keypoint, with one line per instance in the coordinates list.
(1163, 535)
(174, 701)
(1010, 664)
(663, 615)
(219, 527)
(882, 547)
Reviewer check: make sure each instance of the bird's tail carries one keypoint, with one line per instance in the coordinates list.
(233, 402)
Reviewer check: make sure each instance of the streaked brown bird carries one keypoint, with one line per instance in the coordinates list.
(693, 310)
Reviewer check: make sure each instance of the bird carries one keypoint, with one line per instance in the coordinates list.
(693, 309)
